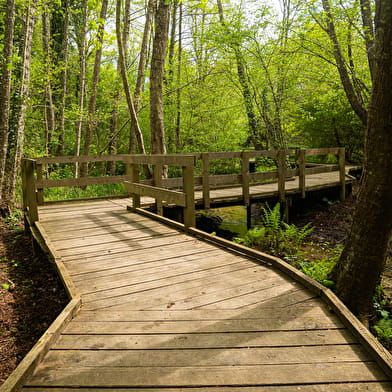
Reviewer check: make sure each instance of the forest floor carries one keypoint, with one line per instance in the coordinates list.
(32, 295)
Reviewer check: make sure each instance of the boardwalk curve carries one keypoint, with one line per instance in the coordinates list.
(162, 310)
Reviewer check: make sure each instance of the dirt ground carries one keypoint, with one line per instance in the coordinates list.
(31, 294)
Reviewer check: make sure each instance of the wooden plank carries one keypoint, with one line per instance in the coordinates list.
(205, 357)
(105, 238)
(206, 376)
(238, 292)
(167, 195)
(282, 323)
(321, 151)
(157, 273)
(123, 298)
(200, 314)
(200, 340)
(329, 387)
(118, 246)
(82, 181)
(161, 159)
(81, 158)
(108, 266)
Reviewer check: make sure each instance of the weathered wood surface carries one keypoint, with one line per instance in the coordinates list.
(163, 311)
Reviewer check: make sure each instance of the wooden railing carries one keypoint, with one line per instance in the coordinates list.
(185, 199)
(180, 190)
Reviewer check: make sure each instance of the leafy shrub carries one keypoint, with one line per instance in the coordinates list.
(383, 331)
(320, 271)
(274, 235)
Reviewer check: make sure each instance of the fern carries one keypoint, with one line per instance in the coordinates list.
(274, 235)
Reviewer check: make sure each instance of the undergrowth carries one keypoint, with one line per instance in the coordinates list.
(315, 259)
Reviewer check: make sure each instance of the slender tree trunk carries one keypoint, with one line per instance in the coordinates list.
(91, 124)
(64, 80)
(178, 100)
(5, 85)
(158, 143)
(355, 100)
(364, 255)
(113, 134)
(141, 74)
(124, 76)
(82, 81)
(48, 101)
(253, 121)
(15, 151)
(368, 28)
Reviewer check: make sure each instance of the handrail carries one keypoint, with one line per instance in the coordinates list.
(34, 183)
(185, 199)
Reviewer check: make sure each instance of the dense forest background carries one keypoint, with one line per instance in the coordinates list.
(106, 77)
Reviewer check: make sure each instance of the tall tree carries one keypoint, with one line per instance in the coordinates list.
(135, 136)
(363, 259)
(90, 126)
(162, 20)
(81, 40)
(258, 140)
(5, 84)
(64, 60)
(124, 77)
(15, 148)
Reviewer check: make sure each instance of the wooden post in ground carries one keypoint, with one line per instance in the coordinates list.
(29, 191)
(40, 191)
(133, 171)
(342, 173)
(245, 185)
(189, 190)
(301, 172)
(206, 180)
(282, 175)
(157, 174)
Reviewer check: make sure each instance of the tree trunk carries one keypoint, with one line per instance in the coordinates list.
(15, 151)
(91, 123)
(64, 80)
(253, 121)
(355, 101)
(143, 58)
(82, 82)
(363, 259)
(178, 100)
(48, 101)
(162, 20)
(124, 76)
(5, 86)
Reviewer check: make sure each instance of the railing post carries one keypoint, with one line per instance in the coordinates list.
(245, 177)
(281, 175)
(29, 192)
(189, 190)
(301, 172)
(40, 191)
(342, 173)
(206, 180)
(132, 170)
(157, 174)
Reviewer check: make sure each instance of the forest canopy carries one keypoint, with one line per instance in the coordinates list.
(105, 76)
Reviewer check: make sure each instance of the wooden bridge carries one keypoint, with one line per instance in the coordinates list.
(157, 305)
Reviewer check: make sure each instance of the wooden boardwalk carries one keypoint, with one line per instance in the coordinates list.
(164, 311)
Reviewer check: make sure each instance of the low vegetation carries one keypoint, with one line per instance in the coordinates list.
(315, 258)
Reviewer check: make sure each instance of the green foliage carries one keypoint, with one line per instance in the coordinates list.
(383, 331)
(320, 271)
(274, 235)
